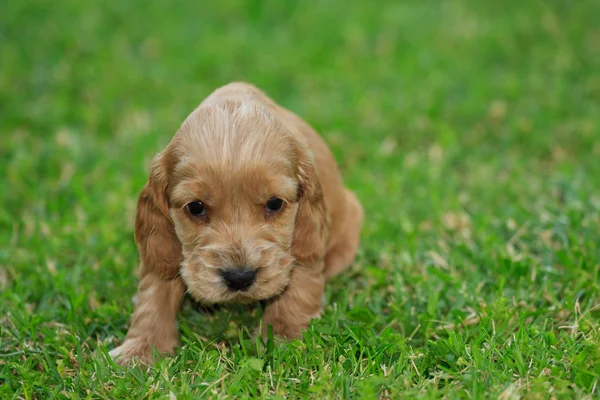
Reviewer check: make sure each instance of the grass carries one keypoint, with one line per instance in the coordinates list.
(470, 131)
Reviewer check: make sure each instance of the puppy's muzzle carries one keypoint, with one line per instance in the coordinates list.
(239, 279)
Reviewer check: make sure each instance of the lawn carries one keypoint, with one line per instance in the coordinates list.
(469, 130)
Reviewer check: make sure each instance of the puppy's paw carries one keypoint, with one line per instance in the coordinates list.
(135, 350)
(288, 326)
(131, 350)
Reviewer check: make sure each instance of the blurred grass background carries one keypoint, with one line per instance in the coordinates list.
(470, 131)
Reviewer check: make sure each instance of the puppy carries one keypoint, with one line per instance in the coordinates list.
(245, 204)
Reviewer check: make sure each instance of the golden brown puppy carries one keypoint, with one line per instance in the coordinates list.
(246, 203)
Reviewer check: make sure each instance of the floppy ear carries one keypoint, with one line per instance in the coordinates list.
(158, 245)
(310, 232)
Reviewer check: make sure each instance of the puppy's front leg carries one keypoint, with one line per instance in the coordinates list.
(153, 323)
(291, 312)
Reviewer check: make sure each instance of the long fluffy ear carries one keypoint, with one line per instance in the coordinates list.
(310, 231)
(158, 245)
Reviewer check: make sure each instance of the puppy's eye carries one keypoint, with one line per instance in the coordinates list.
(196, 208)
(274, 204)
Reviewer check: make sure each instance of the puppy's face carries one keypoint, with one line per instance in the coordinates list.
(233, 196)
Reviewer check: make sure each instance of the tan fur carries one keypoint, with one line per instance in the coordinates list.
(233, 153)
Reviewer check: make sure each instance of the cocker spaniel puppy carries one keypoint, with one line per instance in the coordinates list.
(245, 204)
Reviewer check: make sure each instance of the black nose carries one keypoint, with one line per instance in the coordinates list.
(239, 279)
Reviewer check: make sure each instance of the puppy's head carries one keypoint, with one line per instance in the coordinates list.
(241, 193)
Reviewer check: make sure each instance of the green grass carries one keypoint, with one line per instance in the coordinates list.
(469, 130)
